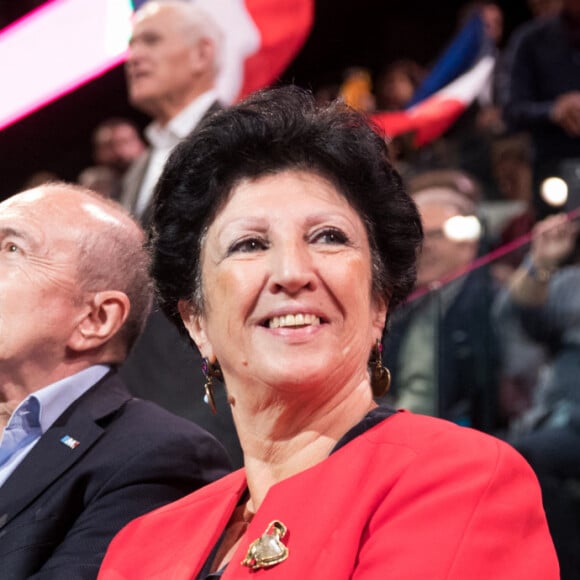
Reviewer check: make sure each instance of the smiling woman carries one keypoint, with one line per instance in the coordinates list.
(293, 266)
(281, 238)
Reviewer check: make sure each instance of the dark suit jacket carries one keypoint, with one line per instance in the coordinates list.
(61, 506)
(163, 367)
(133, 179)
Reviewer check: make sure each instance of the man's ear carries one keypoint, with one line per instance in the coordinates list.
(105, 314)
(194, 322)
(203, 55)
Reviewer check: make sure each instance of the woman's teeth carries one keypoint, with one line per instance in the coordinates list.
(294, 320)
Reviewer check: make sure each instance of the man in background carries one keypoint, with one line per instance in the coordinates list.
(174, 57)
(116, 144)
(171, 69)
(441, 345)
(541, 95)
(79, 457)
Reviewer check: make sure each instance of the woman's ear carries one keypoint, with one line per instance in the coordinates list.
(194, 322)
(102, 318)
(379, 317)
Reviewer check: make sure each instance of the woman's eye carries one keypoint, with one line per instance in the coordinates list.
(248, 245)
(331, 236)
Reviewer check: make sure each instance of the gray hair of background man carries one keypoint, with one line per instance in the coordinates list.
(197, 22)
(114, 258)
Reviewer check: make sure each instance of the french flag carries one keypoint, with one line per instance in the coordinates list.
(261, 38)
(456, 80)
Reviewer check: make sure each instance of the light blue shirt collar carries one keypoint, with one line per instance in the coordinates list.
(35, 415)
(57, 397)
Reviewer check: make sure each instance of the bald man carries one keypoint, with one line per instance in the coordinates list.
(79, 457)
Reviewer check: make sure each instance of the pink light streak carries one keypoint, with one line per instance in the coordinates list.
(57, 48)
(496, 254)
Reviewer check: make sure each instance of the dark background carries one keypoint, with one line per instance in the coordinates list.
(368, 33)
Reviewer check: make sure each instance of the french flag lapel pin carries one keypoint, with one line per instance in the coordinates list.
(70, 441)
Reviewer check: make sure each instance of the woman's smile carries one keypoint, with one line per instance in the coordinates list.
(296, 328)
(294, 321)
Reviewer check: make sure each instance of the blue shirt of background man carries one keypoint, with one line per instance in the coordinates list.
(35, 414)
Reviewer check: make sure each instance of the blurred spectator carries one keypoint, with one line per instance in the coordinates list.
(470, 139)
(493, 23)
(356, 89)
(542, 93)
(101, 179)
(394, 87)
(522, 359)
(117, 143)
(493, 20)
(396, 83)
(492, 15)
(538, 9)
(544, 301)
(440, 346)
(174, 56)
(171, 69)
(39, 178)
(544, 8)
(511, 162)
(511, 158)
(326, 93)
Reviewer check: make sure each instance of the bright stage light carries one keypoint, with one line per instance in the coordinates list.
(554, 191)
(462, 228)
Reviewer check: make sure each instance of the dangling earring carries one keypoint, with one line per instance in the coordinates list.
(211, 371)
(380, 375)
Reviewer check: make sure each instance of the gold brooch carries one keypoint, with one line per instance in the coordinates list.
(268, 550)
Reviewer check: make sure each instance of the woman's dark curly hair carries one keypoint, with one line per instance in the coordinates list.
(275, 130)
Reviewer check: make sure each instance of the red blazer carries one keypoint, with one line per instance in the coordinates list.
(413, 498)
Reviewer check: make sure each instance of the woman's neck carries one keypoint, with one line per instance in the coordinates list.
(289, 436)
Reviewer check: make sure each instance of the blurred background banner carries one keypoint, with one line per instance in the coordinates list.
(66, 43)
(40, 65)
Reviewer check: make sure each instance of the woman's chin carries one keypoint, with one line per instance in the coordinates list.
(296, 376)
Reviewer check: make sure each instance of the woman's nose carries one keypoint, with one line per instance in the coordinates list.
(292, 269)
